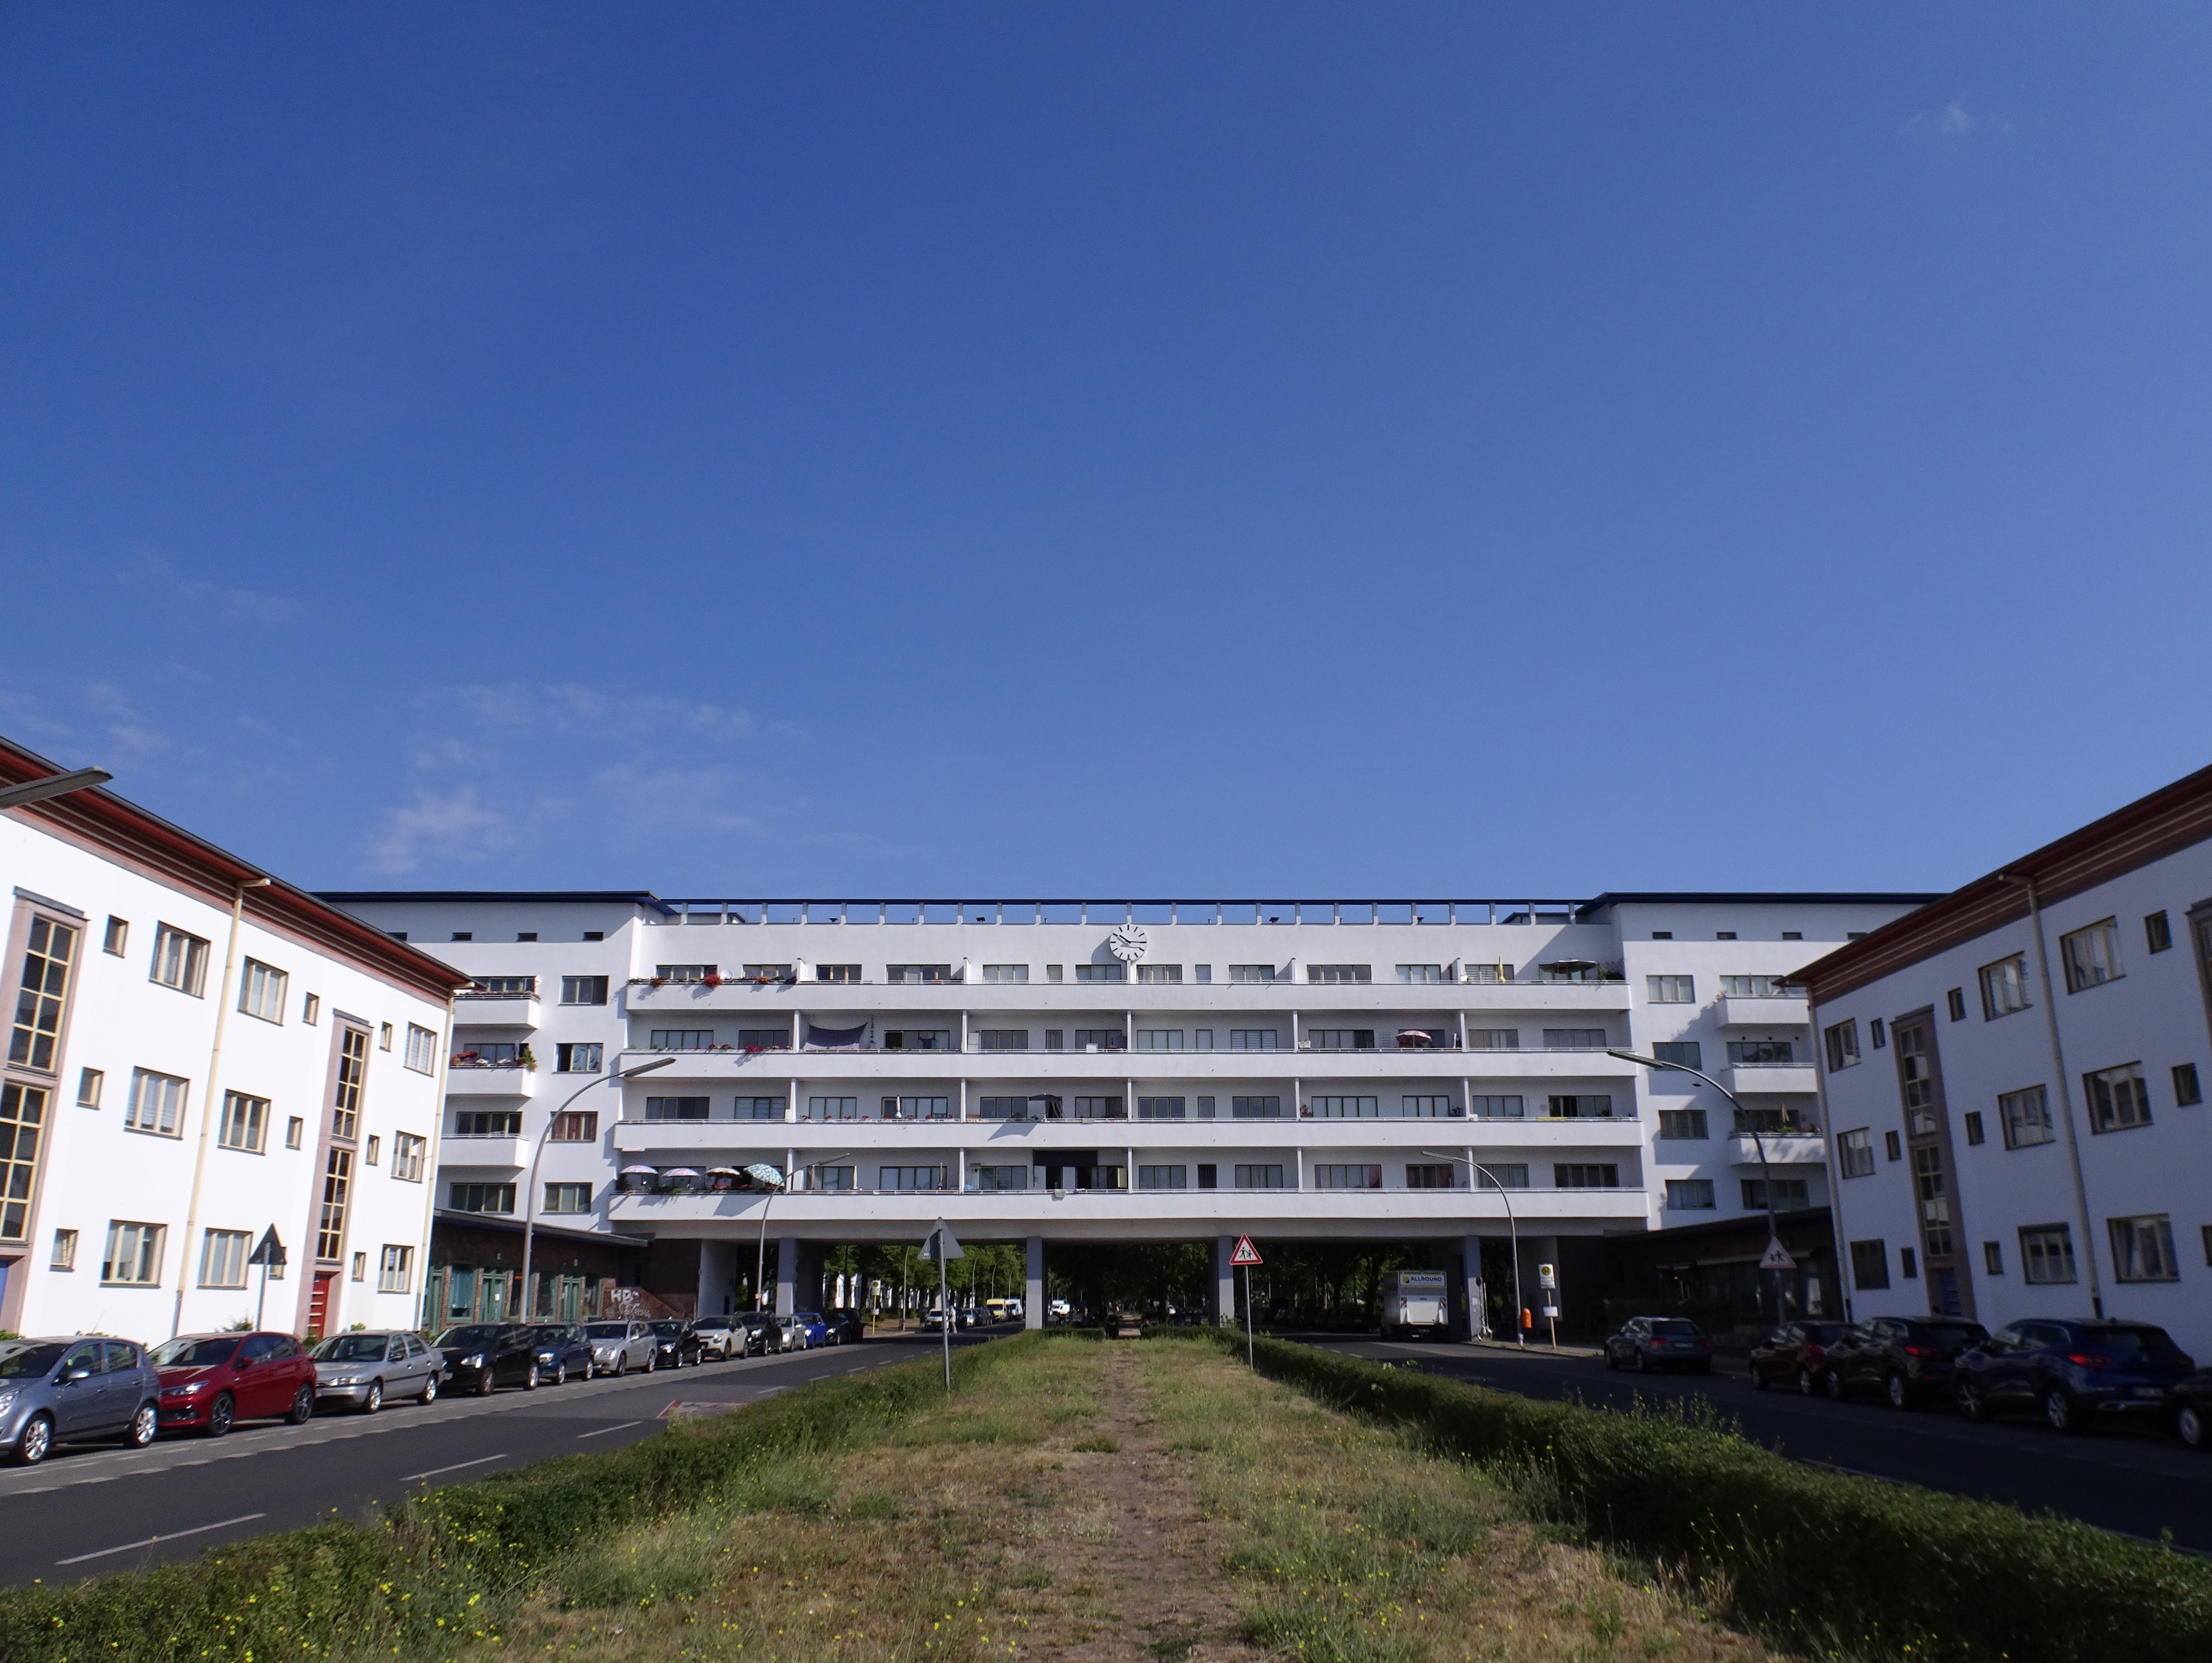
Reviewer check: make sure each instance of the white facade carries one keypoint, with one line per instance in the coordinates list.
(1113, 1071)
(2006, 1152)
(175, 1087)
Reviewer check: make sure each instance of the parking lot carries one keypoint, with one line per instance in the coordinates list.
(2127, 1478)
(96, 1509)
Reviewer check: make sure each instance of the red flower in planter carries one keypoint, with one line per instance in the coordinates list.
(712, 981)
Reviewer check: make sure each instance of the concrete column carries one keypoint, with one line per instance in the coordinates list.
(787, 1274)
(1224, 1280)
(1033, 1289)
(1478, 1314)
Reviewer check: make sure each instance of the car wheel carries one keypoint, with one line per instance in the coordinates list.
(560, 1372)
(2063, 1414)
(1899, 1394)
(2189, 1425)
(1805, 1384)
(375, 1400)
(143, 1425)
(221, 1413)
(621, 1362)
(37, 1438)
(484, 1384)
(1611, 1361)
(1643, 1363)
(1835, 1384)
(653, 1363)
(429, 1391)
(303, 1406)
(530, 1380)
(1972, 1404)
(1758, 1381)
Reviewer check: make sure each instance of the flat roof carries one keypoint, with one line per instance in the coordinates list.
(1763, 898)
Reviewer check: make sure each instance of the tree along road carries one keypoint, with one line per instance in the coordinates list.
(2132, 1480)
(92, 1509)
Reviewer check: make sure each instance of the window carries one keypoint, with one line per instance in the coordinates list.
(568, 1197)
(1251, 973)
(397, 935)
(1101, 1038)
(1431, 1175)
(384, 1036)
(2158, 932)
(766, 973)
(1421, 973)
(311, 1009)
(1255, 1109)
(1687, 1053)
(675, 1108)
(1252, 1038)
(1159, 972)
(1790, 1194)
(1855, 1154)
(1892, 1147)
(910, 1177)
(64, 1254)
(465, 935)
(925, 973)
(1159, 1039)
(133, 1258)
(179, 960)
(680, 1039)
(2186, 1091)
(1202, 972)
(831, 1178)
(1348, 1177)
(1495, 1107)
(2004, 987)
(157, 1103)
(261, 993)
(1160, 1177)
(1793, 935)
(2143, 1250)
(849, 1108)
(1018, 1178)
(764, 1039)
(1723, 935)
(1051, 973)
(117, 940)
(1842, 1040)
(1574, 1039)
(595, 935)
(1916, 1070)
(1993, 1258)
(1682, 1123)
(407, 1156)
(1973, 1120)
(487, 1123)
(851, 972)
(1689, 1194)
(1585, 1106)
(1877, 1036)
(481, 1198)
(1092, 1109)
(1054, 1038)
(771, 1108)
(574, 1125)
(372, 1151)
(1346, 1108)
(1340, 1039)
(1908, 1264)
(1425, 1107)
(1935, 1202)
(1160, 1108)
(2091, 955)
(525, 935)
(1757, 987)
(2117, 1098)
(1955, 1002)
(1006, 972)
(684, 972)
(1760, 1054)
(1502, 1175)
(294, 1129)
(245, 1123)
(1339, 973)
(338, 1186)
(2046, 1253)
(1259, 1177)
(1489, 974)
(353, 1072)
(1493, 1039)
(1206, 1108)
(2025, 1118)
(422, 1049)
(583, 990)
(395, 1269)
(1101, 973)
(48, 953)
(1670, 990)
(223, 1258)
(579, 1058)
(1869, 1266)
(90, 1083)
(1578, 1175)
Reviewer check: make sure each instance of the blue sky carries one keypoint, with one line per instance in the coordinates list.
(1004, 450)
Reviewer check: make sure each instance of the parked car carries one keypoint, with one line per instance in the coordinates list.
(793, 1332)
(361, 1369)
(60, 1391)
(212, 1381)
(1906, 1358)
(618, 1346)
(2074, 1372)
(764, 1332)
(1796, 1354)
(2192, 1410)
(846, 1328)
(481, 1356)
(562, 1350)
(817, 1330)
(1659, 1342)
(675, 1343)
(719, 1337)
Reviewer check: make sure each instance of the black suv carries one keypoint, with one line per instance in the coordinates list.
(1906, 1358)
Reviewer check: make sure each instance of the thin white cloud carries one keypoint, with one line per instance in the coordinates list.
(1954, 120)
(455, 825)
(148, 566)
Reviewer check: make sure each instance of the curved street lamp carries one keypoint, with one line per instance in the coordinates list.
(1513, 1232)
(776, 1182)
(530, 1189)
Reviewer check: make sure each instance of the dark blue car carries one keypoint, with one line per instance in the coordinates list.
(2071, 1372)
(562, 1350)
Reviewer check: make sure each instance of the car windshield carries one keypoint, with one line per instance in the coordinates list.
(31, 1363)
(712, 1322)
(669, 1329)
(1825, 1333)
(2129, 1342)
(476, 1336)
(607, 1330)
(809, 1316)
(552, 1333)
(351, 1348)
(1953, 1336)
(193, 1353)
(1676, 1327)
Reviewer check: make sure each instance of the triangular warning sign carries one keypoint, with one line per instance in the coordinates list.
(1246, 1253)
(1776, 1257)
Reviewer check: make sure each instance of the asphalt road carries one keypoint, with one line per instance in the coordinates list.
(94, 1509)
(2131, 1479)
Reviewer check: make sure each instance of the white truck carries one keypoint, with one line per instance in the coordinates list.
(1419, 1303)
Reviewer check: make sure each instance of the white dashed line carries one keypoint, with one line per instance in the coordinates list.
(455, 1468)
(624, 1427)
(197, 1530)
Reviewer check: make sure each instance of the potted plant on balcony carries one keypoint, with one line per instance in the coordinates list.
(712, 979)
(528, 1059)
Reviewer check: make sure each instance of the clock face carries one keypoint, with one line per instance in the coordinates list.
(1128, 943)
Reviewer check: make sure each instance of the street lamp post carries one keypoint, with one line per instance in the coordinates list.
(530, 1188)
(760, 1262)
(1513, 1234)
(1743, 1119)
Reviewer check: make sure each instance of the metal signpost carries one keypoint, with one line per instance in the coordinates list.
(940, 1246)
(1547, 1280)
(1248, 1256)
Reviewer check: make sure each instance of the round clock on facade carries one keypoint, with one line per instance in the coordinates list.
(1128, 943)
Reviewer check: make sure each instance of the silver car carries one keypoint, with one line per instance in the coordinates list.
(362, 1369)
(58, 1391)
(618, 1346)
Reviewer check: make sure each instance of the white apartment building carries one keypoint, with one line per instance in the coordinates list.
(198, 1054)
(2015, 1078)
(1061, 1072)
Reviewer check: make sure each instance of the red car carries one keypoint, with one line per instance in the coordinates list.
(208, 1382)
(1796, 1354)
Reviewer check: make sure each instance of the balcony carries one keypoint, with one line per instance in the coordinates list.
(495, 1011)
(1741, 1077)
(1764, 1012)
(505, 1154)
(867, 1065)
(1401, 1137)
(490, 1080)
(1797, 1148)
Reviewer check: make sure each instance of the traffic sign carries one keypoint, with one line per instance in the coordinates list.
(1546, 1277)
(1776, 1256)
(1246, 1253)
(269, 1250)
(939, 1245)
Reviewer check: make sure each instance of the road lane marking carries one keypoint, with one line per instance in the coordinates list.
(624, 1427)
(455, 1468)
(174, 1535)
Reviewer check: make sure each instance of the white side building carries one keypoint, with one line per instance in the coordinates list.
(198, 1054)
(2015, 1077)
